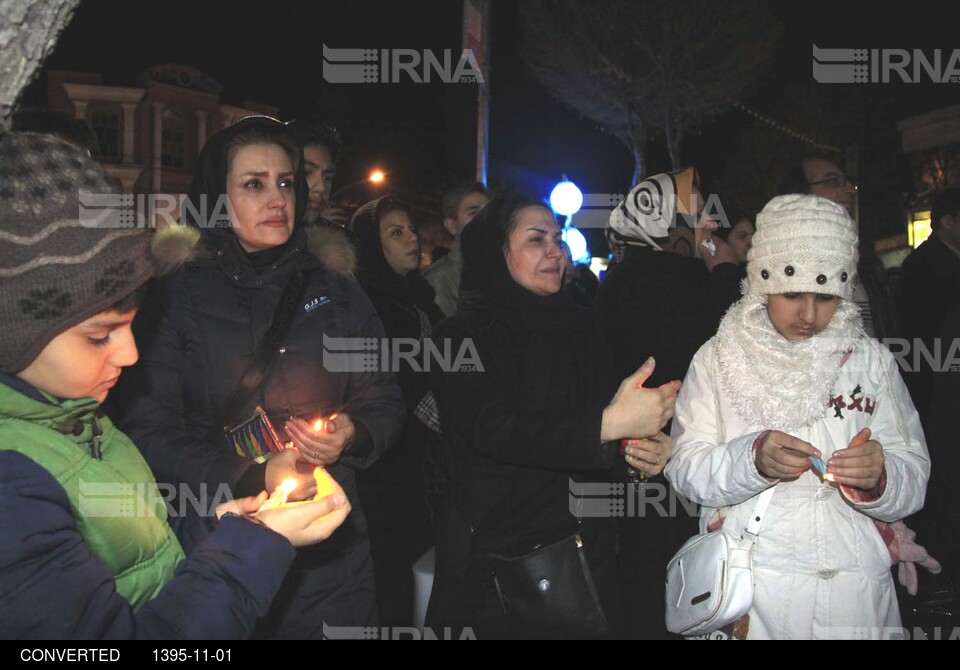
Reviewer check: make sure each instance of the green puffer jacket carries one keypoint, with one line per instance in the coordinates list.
(112, 492)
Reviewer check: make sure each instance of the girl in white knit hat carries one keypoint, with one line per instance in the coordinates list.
(792, 395)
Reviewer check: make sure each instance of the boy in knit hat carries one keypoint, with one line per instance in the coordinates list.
(791, 394)
(85, 549)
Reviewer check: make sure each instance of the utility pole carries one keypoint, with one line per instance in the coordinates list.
(476, 36)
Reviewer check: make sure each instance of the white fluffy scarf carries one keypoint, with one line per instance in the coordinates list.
(773, 382)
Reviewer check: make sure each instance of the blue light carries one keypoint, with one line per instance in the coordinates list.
(566, 199)
(577, 243)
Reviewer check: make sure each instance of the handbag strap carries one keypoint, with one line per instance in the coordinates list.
(266, 351)
(752, 530)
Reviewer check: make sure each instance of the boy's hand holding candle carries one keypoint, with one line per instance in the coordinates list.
(280, 494)
(288, 465)
(307, 522)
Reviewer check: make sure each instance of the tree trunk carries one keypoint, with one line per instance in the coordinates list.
(28, 32)
(674, 133)
(637, 141)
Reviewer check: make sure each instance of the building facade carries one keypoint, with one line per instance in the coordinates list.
(149, 135)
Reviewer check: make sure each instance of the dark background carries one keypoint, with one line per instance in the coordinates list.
(424, 134)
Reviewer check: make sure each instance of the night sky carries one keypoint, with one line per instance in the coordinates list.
(424, 134)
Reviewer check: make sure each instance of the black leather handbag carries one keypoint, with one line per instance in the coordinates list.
(549, 592)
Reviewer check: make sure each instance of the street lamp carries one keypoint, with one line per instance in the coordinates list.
(377, 177)
(566, 200)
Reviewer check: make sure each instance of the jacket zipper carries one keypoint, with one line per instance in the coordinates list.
(95, 440)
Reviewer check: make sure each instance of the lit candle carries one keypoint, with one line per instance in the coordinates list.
(325, 484)
(280, 494)
(321, 424)
(286, 487)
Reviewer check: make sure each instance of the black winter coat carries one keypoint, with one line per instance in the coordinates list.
(656, 303)
(659, 304)
(929, 289)
(518, 431)
(520, 425)
(197, 332)
(394, 491)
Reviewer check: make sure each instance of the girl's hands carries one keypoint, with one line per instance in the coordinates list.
(783, 456)
(860, 465)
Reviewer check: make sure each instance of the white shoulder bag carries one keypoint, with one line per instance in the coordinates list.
(710, 580)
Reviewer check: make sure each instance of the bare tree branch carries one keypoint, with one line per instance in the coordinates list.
(657, 66)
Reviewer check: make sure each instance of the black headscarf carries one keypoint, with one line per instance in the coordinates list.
(373, 270)
(210, 183)
(558, 347)
(486, 282)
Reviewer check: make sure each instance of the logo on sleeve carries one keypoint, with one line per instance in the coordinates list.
(311, 305)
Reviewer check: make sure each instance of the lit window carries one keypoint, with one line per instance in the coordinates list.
(919, 229)
(106, 125)
(173, 140)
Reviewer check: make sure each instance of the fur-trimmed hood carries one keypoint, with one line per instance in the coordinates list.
(175, 245)
(333, 249)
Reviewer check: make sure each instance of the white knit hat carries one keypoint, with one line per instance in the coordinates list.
(803, 244)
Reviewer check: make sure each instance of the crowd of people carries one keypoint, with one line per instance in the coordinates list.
(723, 357)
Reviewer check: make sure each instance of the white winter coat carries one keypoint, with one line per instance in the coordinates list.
(821, 569)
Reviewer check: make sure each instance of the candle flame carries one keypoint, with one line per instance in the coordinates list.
(828, 477)
(286, 488)
(279, 495)
(321, 423)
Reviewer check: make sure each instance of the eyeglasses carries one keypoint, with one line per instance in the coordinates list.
(837, 181)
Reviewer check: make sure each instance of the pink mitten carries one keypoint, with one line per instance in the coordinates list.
(907, 574)
(903, 548)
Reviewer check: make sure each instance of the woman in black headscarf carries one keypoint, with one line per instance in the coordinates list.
(394, 491)
(389, 271)
(542, 409)
(199, 329)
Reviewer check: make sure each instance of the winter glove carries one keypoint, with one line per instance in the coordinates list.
(900, 543)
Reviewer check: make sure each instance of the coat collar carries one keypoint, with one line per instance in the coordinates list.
(71, 417)
(227, 254)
